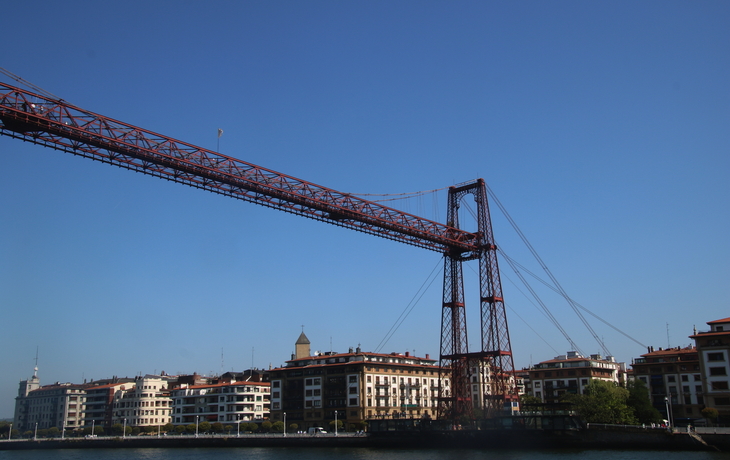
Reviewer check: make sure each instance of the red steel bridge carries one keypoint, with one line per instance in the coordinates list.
(54, 123)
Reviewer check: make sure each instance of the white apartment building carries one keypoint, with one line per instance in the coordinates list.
(58, 405)
(145, 402)
(223, 402)
(570, 373)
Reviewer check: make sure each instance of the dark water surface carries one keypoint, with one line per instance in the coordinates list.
(250, 453)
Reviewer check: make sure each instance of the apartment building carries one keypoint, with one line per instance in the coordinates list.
(713, 353)
(570, 373)
(146, 402)
(314, 390)
(58, 405)
(674, 381)
(228, 402)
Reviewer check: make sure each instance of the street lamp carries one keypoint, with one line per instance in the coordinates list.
(124, 429)
(93, 426)
(238, 426)
(10, 431)
(35, 433)
(196, 425)
(285, 424)
(335, 423)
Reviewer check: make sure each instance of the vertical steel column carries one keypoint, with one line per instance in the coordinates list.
(494, 362)
(456, 405)
(496, 346)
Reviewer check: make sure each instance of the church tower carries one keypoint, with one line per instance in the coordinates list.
(301, 347)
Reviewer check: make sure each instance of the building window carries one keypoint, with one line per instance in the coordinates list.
(721, 385)
(685, 378)
(353, 379)
(715, 356)
(722, 401)
(718, 371)
(670, 378)
(353, 401)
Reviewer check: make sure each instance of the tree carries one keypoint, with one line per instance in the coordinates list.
(265, 426)
(250, 426)
(640, 402)
(710, 413)
(228, 428)
(339, 425)
(54, 432)
(117, 429)
(191, 428)
(293, 428)
(167, 427)
(603, 402)
(277, 427)
(204, 426)
(180, 429)
(149, 429)
(217, 427)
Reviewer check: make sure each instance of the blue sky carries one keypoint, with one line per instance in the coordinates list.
(601, 126)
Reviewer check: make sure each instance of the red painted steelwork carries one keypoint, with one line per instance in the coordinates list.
(62, 126)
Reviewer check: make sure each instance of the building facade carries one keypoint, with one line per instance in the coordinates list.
(145, 402)
(569, 374)
(231, 402)
(713, 350)
(312, 391)
(41, 407)
(674, 381)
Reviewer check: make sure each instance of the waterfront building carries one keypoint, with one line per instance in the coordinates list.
(58, 405)
(570, 373)
(98, 408)
(713, 349)
(673, 379)
(315, 389)
(146, 402)
(227, 402)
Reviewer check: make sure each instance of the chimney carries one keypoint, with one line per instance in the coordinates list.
(408, 353)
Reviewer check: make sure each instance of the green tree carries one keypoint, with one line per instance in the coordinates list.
(277, 427)
(228, 428)
(149, 429)
(710, 413)
(603, 402)
(529, 400)
(639, 401)
(191, 428)
(217, 427)
(180, 429)
(339, 425)
(293, 428)
(252, 427)
(117, 429)
(54, 432)
(204, 426)
(265, 426)
(136, 430)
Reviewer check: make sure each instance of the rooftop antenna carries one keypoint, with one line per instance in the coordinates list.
(222, 361)
(668, 345)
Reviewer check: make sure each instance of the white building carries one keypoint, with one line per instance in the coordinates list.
(223, 402)
(549, 380)
(145, 403)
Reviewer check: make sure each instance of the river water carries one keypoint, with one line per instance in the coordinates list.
(281, 453)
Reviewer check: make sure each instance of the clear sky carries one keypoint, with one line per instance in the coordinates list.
(603, 128)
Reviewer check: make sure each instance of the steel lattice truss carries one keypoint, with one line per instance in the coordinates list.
(54, 123)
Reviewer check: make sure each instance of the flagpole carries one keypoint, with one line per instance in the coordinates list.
(218, 148)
